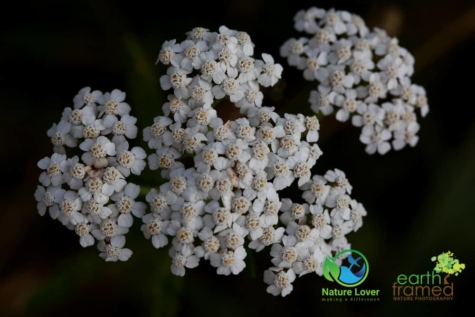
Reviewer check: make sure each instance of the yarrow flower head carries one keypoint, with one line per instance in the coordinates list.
(222, 194)
(226, 201)
(363, 76)
(89, 193)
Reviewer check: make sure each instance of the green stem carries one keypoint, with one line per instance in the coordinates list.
(144, 190)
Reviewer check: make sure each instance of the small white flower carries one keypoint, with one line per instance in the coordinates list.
(48, 199)
(70, 207)
(155, 228)
(113, 181)
(54, 168)
(339, 178)
(125, 127)
(269, 236)
(288, 254)
(96, 211)
(167, 54)
(129, 161)
(86, 97)
(126, 205)
(183, 258)
(115, 250)
(270, 72)
(109, 229)
(229, 262)
(376, 139)
(322, 100)
(83, 231)
(406, 136)
(113, 104)
(321, 221)
(177, 79)
(97, 150)
(280, 283)
(60, 135)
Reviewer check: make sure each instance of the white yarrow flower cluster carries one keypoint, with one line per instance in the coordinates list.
(363, 76)
(223, 179)
(89, 193)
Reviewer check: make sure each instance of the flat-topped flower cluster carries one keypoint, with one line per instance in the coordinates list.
(221, 196)
(363, 76)
(89, 194)
(221, 186)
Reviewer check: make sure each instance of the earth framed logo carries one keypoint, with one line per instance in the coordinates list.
(350, 274)
(432, 285)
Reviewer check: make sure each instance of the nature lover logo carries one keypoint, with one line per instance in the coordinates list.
(348, 276)
(429, 286)
(352, 271)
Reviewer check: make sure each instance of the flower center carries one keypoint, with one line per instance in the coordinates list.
(230, 86)
(78, 171)
(119, 128)
(221, 216)
(75, 117)
(189, 211)
(281, 169)
(241, 205)
(192, 52)
(166, 161)
(205, 182)
(259, 183)
(166, 55)
(159, 203)
(211, 244)
(301, 170)
(178, 185)
(209, 156)
(53, 169)
(125, 204)
(126, 159)
(318, 221)
(246, 64)
(58, 139)
(154, 226)
(67, 207)
(302, 232)
(202, 117)
(48, 199)
(350, 105)
(267, 237)
(82, 229)
(178, 79)
(90, 132)
(111, 175)
(282, 280)
(185, 235)
(112, 251)
(297, 211)
(94, 185)
(227, 258)
(112, 107)
(109, 228)
(98, 151)
(209, 68)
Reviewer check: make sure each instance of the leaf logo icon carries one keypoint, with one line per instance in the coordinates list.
(331, 271)
(348, 275)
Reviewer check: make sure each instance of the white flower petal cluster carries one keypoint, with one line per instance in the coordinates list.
(223, 180)
(89, 193)
(363, 76)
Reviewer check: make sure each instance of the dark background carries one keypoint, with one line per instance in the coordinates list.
(420, 201)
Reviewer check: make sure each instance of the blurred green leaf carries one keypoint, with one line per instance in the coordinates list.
(70, 275)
